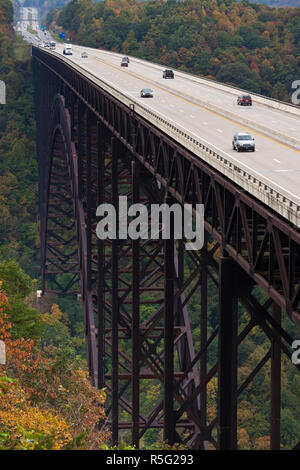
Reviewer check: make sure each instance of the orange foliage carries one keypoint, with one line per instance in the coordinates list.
(261, 443)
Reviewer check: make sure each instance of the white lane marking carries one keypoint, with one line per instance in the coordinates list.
(278, 111)
(205, 123)
(275, 160)
(193, 117)
(219, 130)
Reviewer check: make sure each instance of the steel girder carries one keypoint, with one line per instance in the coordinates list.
(91, 149)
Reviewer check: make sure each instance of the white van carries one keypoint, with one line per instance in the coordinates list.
(67, 49)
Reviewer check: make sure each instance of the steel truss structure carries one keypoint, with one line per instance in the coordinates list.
(137, 294)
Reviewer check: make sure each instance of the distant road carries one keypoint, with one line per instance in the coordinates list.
(29, 17)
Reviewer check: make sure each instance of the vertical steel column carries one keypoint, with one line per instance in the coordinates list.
(227, 389)
(101, 261)
(72, 111)
(203, 339)
(275, 383)
(89, 199)
(80, 113)
(115, 299)
(135, 325)
(169, 418)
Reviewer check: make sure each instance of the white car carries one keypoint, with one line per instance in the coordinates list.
(243, 141)
(146, 93)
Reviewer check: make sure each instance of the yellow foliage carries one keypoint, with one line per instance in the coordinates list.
(243, 439)
(17, 416)
(212, 390)
(56, 314)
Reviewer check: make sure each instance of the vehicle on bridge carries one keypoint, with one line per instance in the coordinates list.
(67, 49)
(243, 141)
(84, 55)
(47, 44)
(244, 100)
(125, 59)
(52, 45)
(168, 73)
(146, 93)
(124, 63)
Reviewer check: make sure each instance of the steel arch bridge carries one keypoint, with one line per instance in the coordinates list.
(137, 295)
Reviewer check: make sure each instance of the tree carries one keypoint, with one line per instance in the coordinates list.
(45, 395)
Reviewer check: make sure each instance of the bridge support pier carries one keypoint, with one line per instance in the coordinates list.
(275, 382)
(169, 418)
(115, 299)
(135, 321)
(101, 262)
(227, 399)
(203, 338)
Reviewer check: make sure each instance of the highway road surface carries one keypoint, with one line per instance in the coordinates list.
(278, 163)
(29, 18)
(184, 101)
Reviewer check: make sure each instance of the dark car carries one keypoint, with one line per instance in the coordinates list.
(124, 63)
(243, 141)
(146, 93)
(244, 100)
(168, 74)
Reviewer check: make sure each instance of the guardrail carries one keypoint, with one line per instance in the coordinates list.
(277, 198)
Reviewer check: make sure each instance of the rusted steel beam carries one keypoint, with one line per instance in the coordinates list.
(275, 383)
(169, 275)
(115, 299)
(135, 323)
(227, 374)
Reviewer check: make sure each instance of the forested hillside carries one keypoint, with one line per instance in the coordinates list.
(253, 46)
(46, 399)
(18, 167)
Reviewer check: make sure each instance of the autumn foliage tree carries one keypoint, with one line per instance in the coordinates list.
(46, 399)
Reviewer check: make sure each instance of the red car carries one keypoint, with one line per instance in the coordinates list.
(124, 63)
(244, 100)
